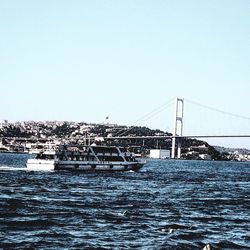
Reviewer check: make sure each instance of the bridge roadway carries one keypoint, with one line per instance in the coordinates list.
(171, 136)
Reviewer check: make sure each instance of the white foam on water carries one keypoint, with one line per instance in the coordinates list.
(11, 168)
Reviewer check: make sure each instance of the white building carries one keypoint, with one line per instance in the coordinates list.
(3, 123)
(159, 154)
(205, 157)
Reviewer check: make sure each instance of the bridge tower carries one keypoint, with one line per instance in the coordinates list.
(178, 126)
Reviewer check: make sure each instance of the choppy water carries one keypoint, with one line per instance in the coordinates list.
(167, 205)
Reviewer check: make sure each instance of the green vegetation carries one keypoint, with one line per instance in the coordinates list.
(13, 131)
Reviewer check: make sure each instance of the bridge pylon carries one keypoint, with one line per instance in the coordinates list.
(178, 126)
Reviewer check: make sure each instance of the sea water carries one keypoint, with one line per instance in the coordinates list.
(167, 205)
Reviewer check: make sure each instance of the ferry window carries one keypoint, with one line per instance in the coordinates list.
(39, 156)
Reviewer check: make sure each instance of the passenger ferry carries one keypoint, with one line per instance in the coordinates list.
(86, 158)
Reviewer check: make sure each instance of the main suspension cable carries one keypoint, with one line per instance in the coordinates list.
(149, 115)
(218, 110)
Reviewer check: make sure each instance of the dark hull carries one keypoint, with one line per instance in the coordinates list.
(96, 166)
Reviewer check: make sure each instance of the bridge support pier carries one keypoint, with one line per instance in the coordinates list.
(178, 150)
(178, 127)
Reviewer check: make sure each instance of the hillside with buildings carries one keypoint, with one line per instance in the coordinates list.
(32, 135)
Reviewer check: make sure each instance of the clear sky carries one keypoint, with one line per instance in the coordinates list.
(83, 60)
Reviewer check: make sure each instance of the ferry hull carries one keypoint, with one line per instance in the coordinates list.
(45, 165)
(78, 166)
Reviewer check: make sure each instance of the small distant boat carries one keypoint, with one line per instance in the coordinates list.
(86, 158)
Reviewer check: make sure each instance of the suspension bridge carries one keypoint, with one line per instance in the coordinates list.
(178, 122)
